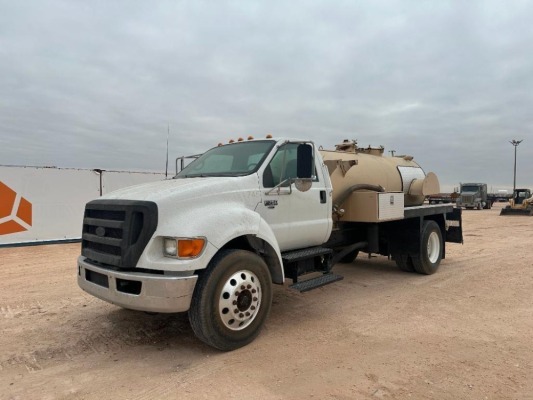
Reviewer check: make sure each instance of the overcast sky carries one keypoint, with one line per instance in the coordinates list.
(95, 84)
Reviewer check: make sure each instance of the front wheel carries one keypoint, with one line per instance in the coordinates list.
(428, 261)
(232, 300)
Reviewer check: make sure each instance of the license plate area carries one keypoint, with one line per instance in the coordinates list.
(97, 278)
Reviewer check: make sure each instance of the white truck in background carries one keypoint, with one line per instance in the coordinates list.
(249, 214)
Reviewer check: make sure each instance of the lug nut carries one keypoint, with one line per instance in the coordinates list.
(243, 287)
(247, 314)
(252, 308)
(234, 302)
(237, 293)
(255, 298)
(241, 315)
(236, 310)
(254, 291)
(249, 286)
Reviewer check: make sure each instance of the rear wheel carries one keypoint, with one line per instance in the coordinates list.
(428, 261)
(232, 300)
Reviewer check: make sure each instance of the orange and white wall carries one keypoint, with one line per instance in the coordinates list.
(41, 204)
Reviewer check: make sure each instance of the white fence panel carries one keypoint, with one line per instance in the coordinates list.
(40, 204)
(113, 180)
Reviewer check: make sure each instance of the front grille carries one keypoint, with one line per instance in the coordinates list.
(115, 232)
(467, 199)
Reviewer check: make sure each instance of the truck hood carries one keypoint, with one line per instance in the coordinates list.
(177, 190)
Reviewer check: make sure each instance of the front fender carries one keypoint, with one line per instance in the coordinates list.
(251, 224)
(218, 223)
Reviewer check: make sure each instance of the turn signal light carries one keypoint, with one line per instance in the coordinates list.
(189, 248)
(183, 247)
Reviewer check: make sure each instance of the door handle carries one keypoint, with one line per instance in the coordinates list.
(323, 198)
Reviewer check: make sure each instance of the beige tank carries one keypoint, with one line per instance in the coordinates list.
(353, 169)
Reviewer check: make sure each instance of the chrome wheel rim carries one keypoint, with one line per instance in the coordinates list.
(433, 247)
(240, 300)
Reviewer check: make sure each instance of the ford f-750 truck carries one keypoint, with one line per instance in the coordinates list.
(246, 215)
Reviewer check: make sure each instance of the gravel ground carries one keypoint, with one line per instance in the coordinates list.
(464, 333)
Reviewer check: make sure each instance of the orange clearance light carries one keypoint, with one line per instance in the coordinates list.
(269, 136)
(250, 138)
(232, 141)
(240, 139)
(190, 247)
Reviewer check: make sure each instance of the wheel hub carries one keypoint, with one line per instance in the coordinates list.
(240, 300)
(433, 247)
(244, 300)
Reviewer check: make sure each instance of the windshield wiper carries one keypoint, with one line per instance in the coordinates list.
(212, 175)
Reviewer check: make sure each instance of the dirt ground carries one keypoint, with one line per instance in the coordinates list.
(464, 333)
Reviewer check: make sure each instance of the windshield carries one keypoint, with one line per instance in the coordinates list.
(238, 159)
(470, 188)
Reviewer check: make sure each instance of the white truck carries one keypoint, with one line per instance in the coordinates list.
(249, 214)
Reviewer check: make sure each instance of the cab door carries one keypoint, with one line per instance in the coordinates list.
(298, 219)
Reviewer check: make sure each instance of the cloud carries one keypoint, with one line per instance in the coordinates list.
(96, 84)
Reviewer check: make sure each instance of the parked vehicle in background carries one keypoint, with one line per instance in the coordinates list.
(474, 195)
(443, 198)
(501, 196)
(520, 204)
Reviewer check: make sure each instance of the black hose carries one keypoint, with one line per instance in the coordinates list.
(361, 186)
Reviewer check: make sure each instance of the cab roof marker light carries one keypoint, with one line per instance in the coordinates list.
(250, 137)
(269, 136)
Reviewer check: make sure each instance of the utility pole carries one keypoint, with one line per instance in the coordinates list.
(392, 152)
(166, 167)
(515, 143)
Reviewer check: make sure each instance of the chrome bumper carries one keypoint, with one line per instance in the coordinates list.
(135, 290)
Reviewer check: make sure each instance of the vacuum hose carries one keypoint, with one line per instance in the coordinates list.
(344, 196)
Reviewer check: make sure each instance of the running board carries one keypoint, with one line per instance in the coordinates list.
(298, 255)
(313, 283)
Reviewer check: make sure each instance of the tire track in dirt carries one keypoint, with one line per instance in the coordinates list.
(95, 329)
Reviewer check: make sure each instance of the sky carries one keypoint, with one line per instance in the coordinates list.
(99, 84)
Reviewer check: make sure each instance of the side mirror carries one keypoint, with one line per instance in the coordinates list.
(304, 167)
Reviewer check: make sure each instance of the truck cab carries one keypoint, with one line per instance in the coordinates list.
(474, 195)
(145, 247)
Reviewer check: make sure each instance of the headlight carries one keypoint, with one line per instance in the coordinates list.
(183, 247)
(170, 247)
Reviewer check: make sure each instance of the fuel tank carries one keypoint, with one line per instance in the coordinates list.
(353, 169)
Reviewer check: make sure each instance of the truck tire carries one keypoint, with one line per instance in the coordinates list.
(231, 300)
(404, 262)
(428, 261)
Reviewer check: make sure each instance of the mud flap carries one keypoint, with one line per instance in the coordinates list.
(454, 226)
